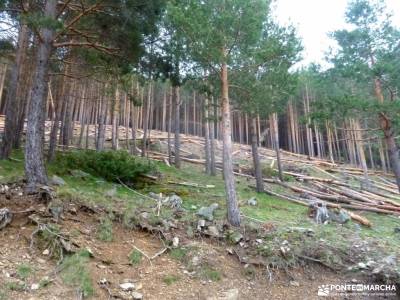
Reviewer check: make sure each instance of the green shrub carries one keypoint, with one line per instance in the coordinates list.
(110, 165)
(135, 257)
(105, 229)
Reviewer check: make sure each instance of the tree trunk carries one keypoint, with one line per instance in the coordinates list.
(115, 120)
(102, 122)
(12, 102)
(256, 157)
(276, 142)
(206, 125)
(177, 140)
(388, 131)
(146, 121)
(169, 126)
(229, 178)
(34, 163)
(213, 169)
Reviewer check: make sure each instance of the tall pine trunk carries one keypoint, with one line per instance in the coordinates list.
(206, 125)
(35, 170)
(177, 140)
(229, 178)
(256, 157)
(12, 102)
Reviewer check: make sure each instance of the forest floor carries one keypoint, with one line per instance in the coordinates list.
(116, 236)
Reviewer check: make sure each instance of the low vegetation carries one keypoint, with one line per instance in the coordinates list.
(113, 166)
(74, 272)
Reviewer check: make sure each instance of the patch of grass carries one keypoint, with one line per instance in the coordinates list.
(171, 279)
(135, 257)
(178, 253)
(44, 282)
(75, 272)
(24, 271)
(105, 229)
(12, 170)
(209, 273)
(3, 294)
(16, 286)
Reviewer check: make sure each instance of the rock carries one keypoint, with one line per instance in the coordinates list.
(155, 196)
(144, 215)
(208, 211)
(3, 189)
(175, 242)
(34, 286)
(173, 201)
(294, 283)
(55, 180)
(195, 261)
(232, 294)
(235, 237)
(252, 201)
(5, 217)
(46, 252)
(201, 224)
(396, 230)
(213, 231)
(79, 174)
(190, 232)
(340, 217)
(137, 295)
(56, 208)
(138, 286)
(127, 286)
(362, 265)
(111, 192)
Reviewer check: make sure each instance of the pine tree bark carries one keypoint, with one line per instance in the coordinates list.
(213, 168)
(35, 170)
(102, 122)
(12, 102)
(146, 114)
(275, 133)
(169, 125)
(177, 138)
(206, 125)
(229, 179)
(115, 120)
(256, 157)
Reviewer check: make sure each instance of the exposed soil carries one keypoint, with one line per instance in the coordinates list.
(111, 262)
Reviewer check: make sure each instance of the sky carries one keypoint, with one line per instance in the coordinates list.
(314, 19)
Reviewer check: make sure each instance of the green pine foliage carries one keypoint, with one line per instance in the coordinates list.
(113, 166)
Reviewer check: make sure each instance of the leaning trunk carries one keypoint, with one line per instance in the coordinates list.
(229, 178)
(34, 163)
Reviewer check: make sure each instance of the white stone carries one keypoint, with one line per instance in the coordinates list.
(128, 286)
